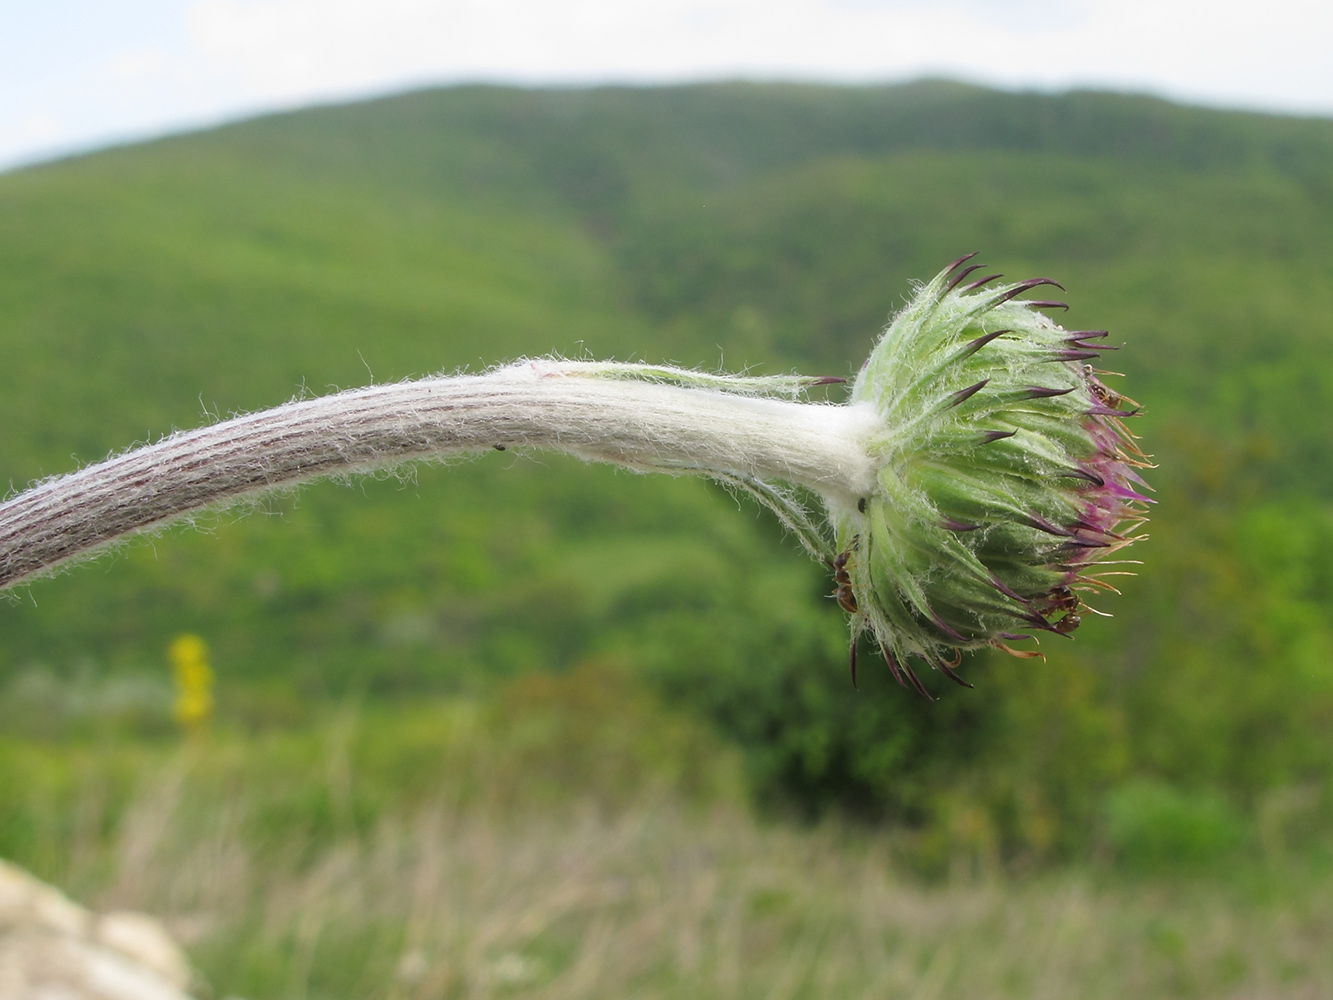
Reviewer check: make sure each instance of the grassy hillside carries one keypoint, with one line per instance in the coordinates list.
(160, 285)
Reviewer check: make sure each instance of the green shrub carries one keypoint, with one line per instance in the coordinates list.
(1152, 826)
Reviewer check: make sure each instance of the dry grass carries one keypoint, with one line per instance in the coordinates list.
(661, 900)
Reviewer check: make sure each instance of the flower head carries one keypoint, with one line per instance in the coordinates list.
(1005, 477)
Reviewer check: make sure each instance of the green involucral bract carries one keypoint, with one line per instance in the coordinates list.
(1005, 477)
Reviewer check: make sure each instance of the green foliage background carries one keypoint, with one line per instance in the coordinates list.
(162, 285)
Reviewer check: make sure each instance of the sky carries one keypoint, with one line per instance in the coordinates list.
(79, 74)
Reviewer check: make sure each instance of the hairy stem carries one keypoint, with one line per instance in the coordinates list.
(579, 408)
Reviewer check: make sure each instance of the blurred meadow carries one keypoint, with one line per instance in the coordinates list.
(521, 727)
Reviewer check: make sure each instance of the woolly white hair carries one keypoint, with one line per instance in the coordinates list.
(640, 417)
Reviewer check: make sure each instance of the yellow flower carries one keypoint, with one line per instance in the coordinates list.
(194, 681)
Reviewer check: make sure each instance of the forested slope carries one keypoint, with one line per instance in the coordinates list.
(160, 285)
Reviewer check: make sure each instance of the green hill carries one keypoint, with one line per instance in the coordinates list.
(159, 285)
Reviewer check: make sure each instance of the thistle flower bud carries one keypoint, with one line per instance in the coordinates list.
(1004, 477)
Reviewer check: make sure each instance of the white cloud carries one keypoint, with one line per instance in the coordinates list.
(300, 48)
(32, 130)
(192, 61)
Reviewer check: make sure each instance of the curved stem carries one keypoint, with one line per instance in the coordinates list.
(564, 406)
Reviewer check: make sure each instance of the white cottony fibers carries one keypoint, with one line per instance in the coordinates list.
(580, 408)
